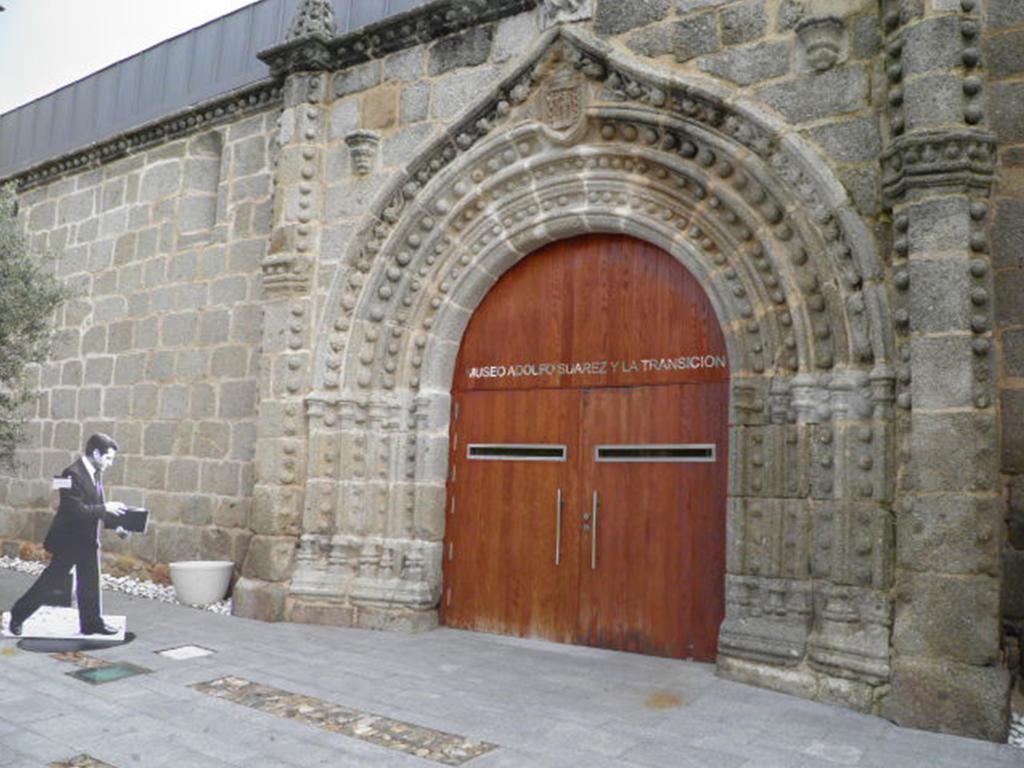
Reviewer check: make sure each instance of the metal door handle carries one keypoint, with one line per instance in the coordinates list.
(593, 536)
(558, 527)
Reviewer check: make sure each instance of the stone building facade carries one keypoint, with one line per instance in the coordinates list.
(273, 286)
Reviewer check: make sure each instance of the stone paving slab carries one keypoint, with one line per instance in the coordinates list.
(542, 705)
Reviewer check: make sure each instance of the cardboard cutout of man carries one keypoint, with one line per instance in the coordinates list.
(74, 539)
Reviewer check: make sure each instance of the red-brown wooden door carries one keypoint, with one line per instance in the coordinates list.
(600, 342)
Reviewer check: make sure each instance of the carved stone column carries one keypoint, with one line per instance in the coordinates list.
(288, 270)
(947, 667)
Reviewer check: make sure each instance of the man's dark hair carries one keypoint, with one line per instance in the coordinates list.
(99, 442)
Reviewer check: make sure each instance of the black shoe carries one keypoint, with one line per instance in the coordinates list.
(15, 627)
(99, 629)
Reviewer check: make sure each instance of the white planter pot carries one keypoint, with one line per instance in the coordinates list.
(201, 582)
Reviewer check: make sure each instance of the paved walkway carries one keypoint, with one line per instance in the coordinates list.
(299, 695)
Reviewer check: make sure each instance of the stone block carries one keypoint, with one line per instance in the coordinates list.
(934, 44)
(1013, 353)
(1005, 13)
(932, 101)
(177, 542)
(942, 372)
(202, 401)
(408, 64)
(613, 17)
(940, 300)
(1006, 110)
(866, 37)
(1011, 403)
(179, 330)
(144, 400)
(834, 92)
(467, 48)
(63, 403)
(184, 473)
(379, 108)
(231, 513)
(43, 217)
(219, 477)
(357, 78)
(414, 102)
(275, 512)
(939, 225)
(237, 399)
(951, 534)
(864, 187)
(344, 118)
(269, 558)
(212, 440)
(743, 22)
(197, 213)
(947, 617)
(403, 144)
(1008, 233)
(255, 599)
(693, 37)
(1009, 306)
(1004, 54)
(160, 181)
(89, 400)
(513, 37)
(749, 64)
(67, 436)
(225, 545)
(146, 473)
(452, 94)
(99, 370)
(249, 156)
(117, 402)
(855, 140)
(202, 174)
(946, 696)
(243, 441)
(953, 451)
(76, 207)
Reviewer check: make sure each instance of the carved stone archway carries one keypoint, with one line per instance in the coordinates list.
(579, 141)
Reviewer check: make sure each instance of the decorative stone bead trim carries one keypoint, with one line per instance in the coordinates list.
(223, 109)
(404, 30)
(416, 740)
(953, 160)
(314, 18)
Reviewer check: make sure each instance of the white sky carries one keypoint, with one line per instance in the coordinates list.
(46, 44)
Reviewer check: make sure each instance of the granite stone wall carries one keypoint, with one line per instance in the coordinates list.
(271, 309)
(160, 346)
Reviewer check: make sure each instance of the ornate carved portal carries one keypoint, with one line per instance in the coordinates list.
(793, 278)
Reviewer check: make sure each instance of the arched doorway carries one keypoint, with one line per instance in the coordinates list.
(586, 497)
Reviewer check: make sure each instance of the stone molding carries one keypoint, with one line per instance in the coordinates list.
(313, 18)
(218, 111)
(415, 27)
(951, 161)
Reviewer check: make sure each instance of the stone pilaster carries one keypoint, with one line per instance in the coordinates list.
(947, 664)
(288, 272)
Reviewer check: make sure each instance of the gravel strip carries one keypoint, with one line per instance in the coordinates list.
(126, 584)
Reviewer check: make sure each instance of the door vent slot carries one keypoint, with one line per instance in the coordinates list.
(688, 452)
(516, 452)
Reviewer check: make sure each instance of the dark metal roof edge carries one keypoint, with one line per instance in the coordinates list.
(403, 30)
(216, 111)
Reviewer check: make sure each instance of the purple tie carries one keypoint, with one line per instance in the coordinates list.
(99, 490)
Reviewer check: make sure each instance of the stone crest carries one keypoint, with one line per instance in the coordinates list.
(562, 99)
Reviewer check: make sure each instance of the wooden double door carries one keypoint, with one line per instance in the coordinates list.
(586, 497)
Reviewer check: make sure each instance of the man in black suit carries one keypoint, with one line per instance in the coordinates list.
(74, 538)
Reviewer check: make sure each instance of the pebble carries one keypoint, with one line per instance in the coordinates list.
(126, 584)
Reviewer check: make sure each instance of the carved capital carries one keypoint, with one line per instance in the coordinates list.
(564, 11)
(956, 161)
(286, 275)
